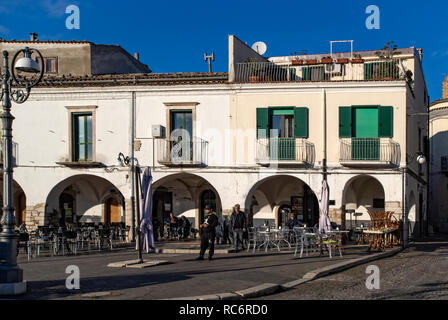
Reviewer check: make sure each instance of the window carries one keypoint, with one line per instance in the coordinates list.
(356, 121)
(290, 122)
(378, 203)
(82, 136)
(282, 125)
(315, 73)
(181, 135)
(51, 65)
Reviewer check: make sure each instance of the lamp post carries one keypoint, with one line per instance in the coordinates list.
(129, 161)
(16, 86)
(421, 160)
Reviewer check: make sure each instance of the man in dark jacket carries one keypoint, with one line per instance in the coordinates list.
(239, 226)
(208, 234)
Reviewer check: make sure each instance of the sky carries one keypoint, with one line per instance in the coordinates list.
(172, 36)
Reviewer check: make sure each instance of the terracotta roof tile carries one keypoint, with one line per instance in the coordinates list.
(134, 79)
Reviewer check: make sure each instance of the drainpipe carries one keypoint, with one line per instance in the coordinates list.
(131, 146)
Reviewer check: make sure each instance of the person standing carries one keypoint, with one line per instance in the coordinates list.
(239, 226)
(208, 234)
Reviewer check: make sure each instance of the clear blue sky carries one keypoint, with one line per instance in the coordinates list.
(172, 36)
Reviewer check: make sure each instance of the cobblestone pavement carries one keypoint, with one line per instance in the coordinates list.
(183, 276)
(419, 272)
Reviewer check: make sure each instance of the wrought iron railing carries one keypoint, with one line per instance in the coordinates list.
(188, 152)
(284, 149)
(369, 149)
(368, 70)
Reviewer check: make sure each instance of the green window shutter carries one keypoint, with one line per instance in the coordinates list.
(74, 138)
(386, 119)
(262, 122)
(301, 122)
(345, 122)
(368, 69)
(306, 75)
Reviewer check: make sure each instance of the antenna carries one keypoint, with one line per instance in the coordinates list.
(260, 47)
(210, 59)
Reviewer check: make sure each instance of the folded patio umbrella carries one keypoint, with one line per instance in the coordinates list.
(324, 221)
(146, 228)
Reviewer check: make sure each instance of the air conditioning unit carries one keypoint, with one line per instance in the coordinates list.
(333, 68)
(158, 131)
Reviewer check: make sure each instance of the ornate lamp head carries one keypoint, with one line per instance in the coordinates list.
(26, 72)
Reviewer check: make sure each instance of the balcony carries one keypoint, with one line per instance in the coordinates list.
(284, 152)
(191, 152)
(369, 152)
(368, 70)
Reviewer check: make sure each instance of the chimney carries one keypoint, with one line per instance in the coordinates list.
(420, 53)
(136, 56)
(33, 36)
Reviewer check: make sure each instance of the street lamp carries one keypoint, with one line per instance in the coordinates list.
(420, 158)
(16, 86)
(123, 160)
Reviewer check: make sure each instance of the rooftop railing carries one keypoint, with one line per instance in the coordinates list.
(361, 71)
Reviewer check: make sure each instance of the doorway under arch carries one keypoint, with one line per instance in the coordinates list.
(184, 194)
(361, 194)
(80, 199)
(112, 211)
(208, 198)
(269, 197)
(19, 202)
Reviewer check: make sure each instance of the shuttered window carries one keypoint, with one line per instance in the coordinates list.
(314, 73)
(345, 122)
(385, 122)
(301, 122)
(386, 119)
(262, 123)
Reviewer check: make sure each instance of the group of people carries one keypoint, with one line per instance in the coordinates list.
(178, 228)
(235, 231)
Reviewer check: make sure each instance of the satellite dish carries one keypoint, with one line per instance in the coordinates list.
(260, 47)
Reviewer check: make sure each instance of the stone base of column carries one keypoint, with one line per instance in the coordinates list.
(13, 288)
(10, 274)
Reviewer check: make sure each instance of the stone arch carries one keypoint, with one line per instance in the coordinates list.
(272, 192)
(182, 191)
(18, 201)
(89, 193)
(361, 193)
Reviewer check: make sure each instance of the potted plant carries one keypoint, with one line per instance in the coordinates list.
(357, 58)
(311, 61)
(388, 68)
(342, 60)
(254, 70)
(326, 60)
(297, 62)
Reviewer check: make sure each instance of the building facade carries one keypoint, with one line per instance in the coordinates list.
(264, 134)
(438, 125)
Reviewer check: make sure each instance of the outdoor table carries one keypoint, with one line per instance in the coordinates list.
(269, 239)
(378, 238)
(360, 232)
